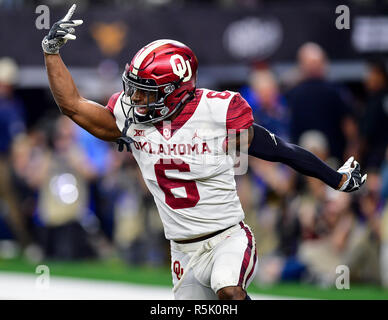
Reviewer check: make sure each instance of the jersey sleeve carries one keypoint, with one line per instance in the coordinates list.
(239, 115)
(112, 101)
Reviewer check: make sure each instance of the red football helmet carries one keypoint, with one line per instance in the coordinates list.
(166, 71)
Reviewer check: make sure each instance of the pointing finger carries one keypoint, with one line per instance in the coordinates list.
(70, 37)
(77, 22)
(348, 162)
(69, 13)
(72, 23)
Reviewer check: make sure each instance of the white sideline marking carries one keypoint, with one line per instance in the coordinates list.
(20, 286)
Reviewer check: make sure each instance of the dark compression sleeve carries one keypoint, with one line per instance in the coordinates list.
(265, 145)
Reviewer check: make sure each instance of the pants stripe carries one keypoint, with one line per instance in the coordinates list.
(247, 257)
(254, 265)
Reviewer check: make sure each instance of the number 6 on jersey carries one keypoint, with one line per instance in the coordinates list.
(167, 184)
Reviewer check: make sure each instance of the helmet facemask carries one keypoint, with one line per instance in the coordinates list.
(154, 109)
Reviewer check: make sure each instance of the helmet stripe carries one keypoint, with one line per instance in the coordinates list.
(147, 50)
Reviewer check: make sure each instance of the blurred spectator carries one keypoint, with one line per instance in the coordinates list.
(337, 233)
(99, 158)
(62, 179)
(316, 142)
(271, 182)
(374, 122)
(11, 124)
(26, 154)
(120, 197)
(384, 223)
(137, 231)
(317, 230)
(315, 104)
(384, 248)
(298, 221)
(384, 177)
(11, 107)
(307, 205)
(340, 237)
(364, 259)
(268, 105)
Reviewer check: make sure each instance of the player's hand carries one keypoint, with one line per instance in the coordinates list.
(60, 32)
(354, 179)
(124, 142)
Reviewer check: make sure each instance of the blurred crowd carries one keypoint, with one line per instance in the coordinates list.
(18, 4)
(67, 195)
(305, 229)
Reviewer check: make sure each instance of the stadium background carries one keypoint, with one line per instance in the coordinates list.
(73, 203)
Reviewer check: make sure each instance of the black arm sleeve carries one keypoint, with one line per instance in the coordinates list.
(265, 145)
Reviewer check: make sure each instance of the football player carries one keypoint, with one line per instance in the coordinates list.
(180, 137)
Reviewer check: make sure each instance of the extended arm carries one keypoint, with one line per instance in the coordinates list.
(90, 115)
(265, 145)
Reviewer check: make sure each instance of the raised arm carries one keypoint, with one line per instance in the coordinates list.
(248, 137)
(90, 115)
(265, 145)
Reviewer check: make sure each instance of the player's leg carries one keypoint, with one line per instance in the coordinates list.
(235, 264)
(232, 293)
(190, 288)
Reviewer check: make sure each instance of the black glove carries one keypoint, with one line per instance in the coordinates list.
(354, 179)
(60, 32)
(124, 141)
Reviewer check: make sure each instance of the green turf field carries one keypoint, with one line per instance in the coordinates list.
(116, 270)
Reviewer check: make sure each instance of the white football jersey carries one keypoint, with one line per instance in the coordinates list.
(184, 164)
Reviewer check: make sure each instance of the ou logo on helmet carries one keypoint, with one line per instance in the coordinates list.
(180, 67)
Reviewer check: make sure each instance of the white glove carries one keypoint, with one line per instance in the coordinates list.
(354, 180)
(60, 32)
